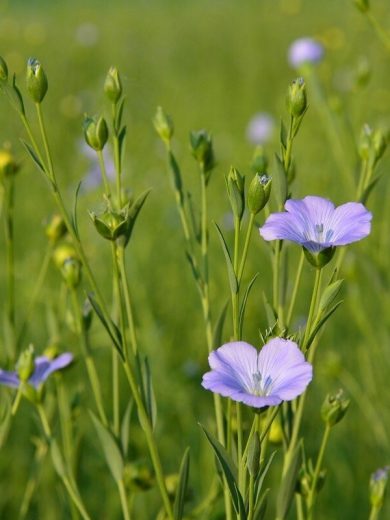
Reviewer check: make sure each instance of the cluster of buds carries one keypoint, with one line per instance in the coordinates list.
(258, 192)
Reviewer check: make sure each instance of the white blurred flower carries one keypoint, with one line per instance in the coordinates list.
(260, 128)
(87, 34)
(305, 50)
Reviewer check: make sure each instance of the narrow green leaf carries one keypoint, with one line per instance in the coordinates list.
(125, 427)
(279, 183)
(194, 269)
(287, 487)
(33, 156)
(217, 336)
(269, 312)
(227, 466)
(283, 134)
(135, 209)
(5, 419)
(194, 223)
(243, 304)
(111, 328)
(261, 506)
(329, 295)
(58, 461)
(260, 480)
(16, 97)
(74, 216)
(366, 193)
(321, 322)
(111, 450)
(232, 277)
(121, 141)
(176, 176)
(149, 399)
(241, 506)
(119, 115)
(178, 506)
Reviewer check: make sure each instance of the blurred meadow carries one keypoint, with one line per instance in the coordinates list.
(211, 64)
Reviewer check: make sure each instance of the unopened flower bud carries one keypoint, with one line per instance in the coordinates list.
(164, 125)
(258, 193)
(378, 483)
(259, 160)
(95, 132)
(110, 224)
(71, 272)
(253, 459)
(297, 101)
(62, 253)
(235, 184)
(365, 139)
(202, 149)
(8, 164)
(334, 408)
(55, 229)
(379, 144)
(362, 5)
(51, 351)
(25, 364)
(3, 70)
(36, 80)
(113, 85)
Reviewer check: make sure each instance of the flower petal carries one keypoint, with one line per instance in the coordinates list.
(285, 365)
(9, 378)
(44, 367)
(236, 360)
(283, 226)
(350, 222)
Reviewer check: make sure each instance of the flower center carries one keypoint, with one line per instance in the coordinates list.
(261, 386)
(319, 233)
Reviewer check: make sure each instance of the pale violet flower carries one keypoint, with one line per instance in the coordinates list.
(276, 373)
(316, 224)
(43, 367)
(260, 128)
(305, 50)
(93, 177)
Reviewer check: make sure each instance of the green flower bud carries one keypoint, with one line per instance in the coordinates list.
(111, 224)
(365, 140)
(258, 193)
(36, 80)
(25, 365)
(334, 408)
(202, 149)
(235, 184)
(71, 272)
(164, 125)
(55, 229)
(95, 132)
(362, 5)
(296, 99)
(253, 459)
(3, 71)
(113, 85)
(378, 483)
(51, 351)
(8, 164)
(379, 144)
(321, 258)
(259, 160)
(62, 253)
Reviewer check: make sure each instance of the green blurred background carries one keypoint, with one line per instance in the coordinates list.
(210, 64)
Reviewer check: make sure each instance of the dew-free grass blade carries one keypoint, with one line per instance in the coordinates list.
(287, 487)
(178, 506)
(232, 276)
(125, 427)
(111, 328)
(243, 304)
(217, 336)
(111, 451)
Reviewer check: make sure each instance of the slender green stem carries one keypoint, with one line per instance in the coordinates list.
(374, 513)
(18, 397)
(88, 359)
(246, 247)
(117, 157)
(123, 497)
(313, 308)
(299, 504)
(126, 293)
(104, 173)
(45, 141)
(276, 283)
(147, 427)
(65, 423)
(316, 474)
(10, 254)
(295, 288)
(115, 392)
(381, 33)
(36, 292)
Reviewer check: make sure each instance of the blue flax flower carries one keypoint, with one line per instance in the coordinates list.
(279, 372)
(305, 51)
(316, 224)
(43, 367)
